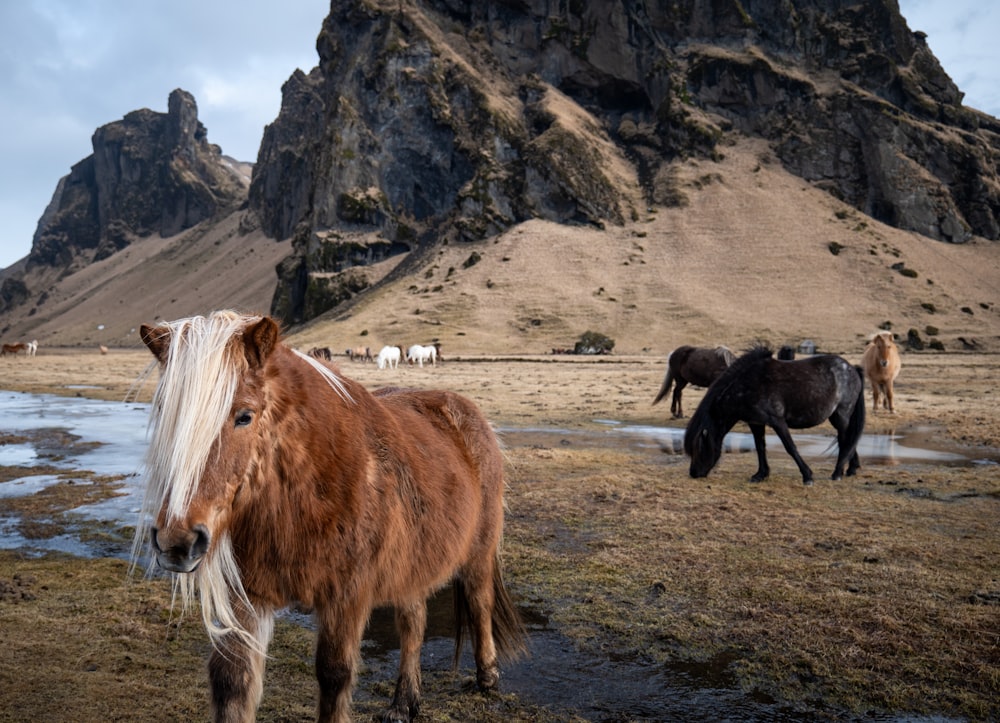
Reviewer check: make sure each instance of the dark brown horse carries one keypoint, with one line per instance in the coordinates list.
(15, 348)
(692, 365)
(274, 481)
(760, 390)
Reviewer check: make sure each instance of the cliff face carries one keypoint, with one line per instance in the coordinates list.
(455, 120)
(149, 173)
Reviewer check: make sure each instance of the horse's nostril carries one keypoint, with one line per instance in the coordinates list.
(202, 538)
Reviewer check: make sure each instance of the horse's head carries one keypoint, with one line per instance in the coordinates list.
(207, 410)
(702, 443)
(883, 343)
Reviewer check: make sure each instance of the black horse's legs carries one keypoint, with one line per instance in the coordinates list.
(411, 620)
(781, 429)
(236, 669)
(854, 464)
(338, 643)
(763, 470)
(675, 402)
(846, 454)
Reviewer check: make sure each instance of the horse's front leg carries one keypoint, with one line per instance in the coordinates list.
(236, 669)
(411, 621)
(759, 444)
(781, 429)
(875, 395)
(337, 648)
(888, 397)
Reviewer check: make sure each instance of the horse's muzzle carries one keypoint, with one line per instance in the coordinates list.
(184, 552)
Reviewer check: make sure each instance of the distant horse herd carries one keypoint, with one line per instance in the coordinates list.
(388, 357)
(274, 480)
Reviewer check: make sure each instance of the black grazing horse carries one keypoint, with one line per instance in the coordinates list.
(760, 390)
(692, 365)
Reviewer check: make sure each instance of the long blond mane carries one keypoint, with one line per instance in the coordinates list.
(192, 401)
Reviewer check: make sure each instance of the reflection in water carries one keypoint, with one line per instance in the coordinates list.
(923, 444)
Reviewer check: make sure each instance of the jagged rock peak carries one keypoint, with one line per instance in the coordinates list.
(149, 173)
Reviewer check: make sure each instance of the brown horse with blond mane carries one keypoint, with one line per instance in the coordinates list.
(274, 481)
(881, 364)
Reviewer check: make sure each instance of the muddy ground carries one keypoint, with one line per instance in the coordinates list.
(874, 597)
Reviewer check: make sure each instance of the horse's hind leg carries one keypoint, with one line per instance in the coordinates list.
(675, 403)
(474, 597)
(411, 621)
(236, 670)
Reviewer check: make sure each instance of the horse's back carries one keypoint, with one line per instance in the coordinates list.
(451, 416)
(702, 366)
(817, 386)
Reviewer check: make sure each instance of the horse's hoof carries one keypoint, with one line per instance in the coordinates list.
(807, 483)
(400, 715)
(488, 678)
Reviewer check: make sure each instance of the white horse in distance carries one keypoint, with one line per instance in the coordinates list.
(420, 353)
(389, 355)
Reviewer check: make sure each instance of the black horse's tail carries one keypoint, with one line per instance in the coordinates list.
(667, 382)
(857, 424)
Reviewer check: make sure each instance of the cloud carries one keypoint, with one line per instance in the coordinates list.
(68, 67)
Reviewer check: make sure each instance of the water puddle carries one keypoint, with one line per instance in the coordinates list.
(923, 444)
(596, 685)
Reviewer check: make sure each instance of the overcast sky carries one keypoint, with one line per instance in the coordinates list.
(68, 67)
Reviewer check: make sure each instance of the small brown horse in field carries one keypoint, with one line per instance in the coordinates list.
(881, 363)
(692, 365)
(274, 481)
(14, 348)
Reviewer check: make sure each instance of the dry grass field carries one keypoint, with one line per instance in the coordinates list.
(875, 594)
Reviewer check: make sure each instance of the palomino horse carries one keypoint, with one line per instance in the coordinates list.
(274, 481)
(389, 356)
(881, 364)
(419, 353)
(760, 390)
(692, 365)
(359, 353)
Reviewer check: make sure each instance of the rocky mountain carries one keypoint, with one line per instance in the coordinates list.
(437, 131)
(457, 120)
(149, 173)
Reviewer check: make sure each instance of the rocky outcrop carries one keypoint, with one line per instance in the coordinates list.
(149, 173)
(454, 120)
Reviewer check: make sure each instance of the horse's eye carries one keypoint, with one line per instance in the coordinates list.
(243, 418)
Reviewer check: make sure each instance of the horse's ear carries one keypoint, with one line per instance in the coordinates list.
(259, 340)
(157, 338)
